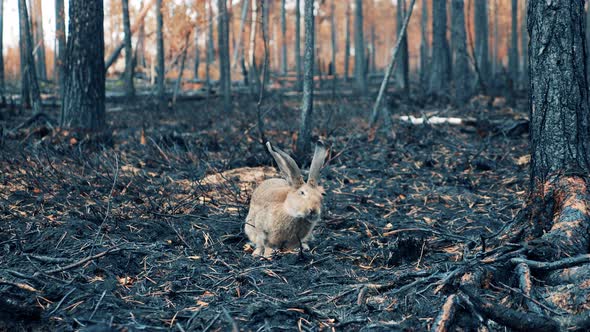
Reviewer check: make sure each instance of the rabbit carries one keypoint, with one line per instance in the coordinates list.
(283, 212)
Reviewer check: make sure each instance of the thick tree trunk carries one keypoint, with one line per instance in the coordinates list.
(283, 38)
(223, 42)
(359, 49)
(265, 29)
(2, 83)
(481, 40)
(28, 70)
(129, 70)
(347, 44)
(60, 45)
(38, 41)
(404, 67)
(560, 128)
(161, 72)
(25, 98)
(513, 54)
(84, 95)
(424, 46)
(140, 44)
(440, 49)
(461, 65)
(333, 40)
(308, 62)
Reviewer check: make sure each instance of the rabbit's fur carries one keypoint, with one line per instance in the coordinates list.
(283, 212)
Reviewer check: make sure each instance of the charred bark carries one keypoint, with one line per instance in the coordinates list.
(440, 66)
(307, 103)
(461, 57)
(481, 40)
(84, 95)
(359, 49)
(60, 45)
(28, 67)
(424, 46)
(223, 43)
(404, 67)
(161, 72)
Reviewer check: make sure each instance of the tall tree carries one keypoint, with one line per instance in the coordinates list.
(404, 66)
(2, 83)
(298, 43)
(304, 138)
(84, 95)
(239, 47)
(481, 39)
(359, 49)
(140, 44)
(223, 43)
(129, 70)
(333, 39)
(440, 65)
(197, 52)
(28, 73)
(524, 46)
(424, 46)
(252, 50)
(283, 38)
(161, 72)
(496, 45)
(38, 41)
(513, 54)
(347, 43)
(461, 57)
(560, 127)
(60, 45)
(210, 44)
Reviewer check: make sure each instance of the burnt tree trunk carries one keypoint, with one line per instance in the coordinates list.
(513, 54)
(38, 42)
(347, 44)
(223, 49)
(439, 75)
(84, 95)
(308, 63)
(524, 45)
(28, 67)
(283, 38)
(197, 53)
(2, 83)
(210, 45)
(424, 46)
(404, 67)
(359, 49)
(461, 57)
(239, 46)
(128, 75)
(481, 40)
(560, 128)
(298, 43)
(161, 72)
(60, 45)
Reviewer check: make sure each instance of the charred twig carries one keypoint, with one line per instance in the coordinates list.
(19, 285)
(61, 301)
(97, 304)
(83, 261)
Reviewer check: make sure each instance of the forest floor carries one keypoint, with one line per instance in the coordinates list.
(147, 233)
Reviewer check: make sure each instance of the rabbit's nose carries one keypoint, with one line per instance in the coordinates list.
(313, 213)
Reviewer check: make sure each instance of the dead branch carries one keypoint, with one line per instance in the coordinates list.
(446, 315)
(85, 260)
(550, 266)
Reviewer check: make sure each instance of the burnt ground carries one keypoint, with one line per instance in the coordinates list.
(137, 235)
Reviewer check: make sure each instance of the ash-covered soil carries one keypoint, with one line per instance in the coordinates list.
(146, 233)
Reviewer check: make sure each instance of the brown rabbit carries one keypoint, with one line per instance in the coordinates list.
(283, 212)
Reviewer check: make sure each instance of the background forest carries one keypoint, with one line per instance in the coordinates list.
(132, 136)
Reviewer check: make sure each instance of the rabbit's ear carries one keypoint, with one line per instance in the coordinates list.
(316, 164)
(287, 165)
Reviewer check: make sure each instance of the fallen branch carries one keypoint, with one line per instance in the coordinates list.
(445, 316)
(550, 266)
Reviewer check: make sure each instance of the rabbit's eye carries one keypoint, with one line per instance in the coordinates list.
(301, 192)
